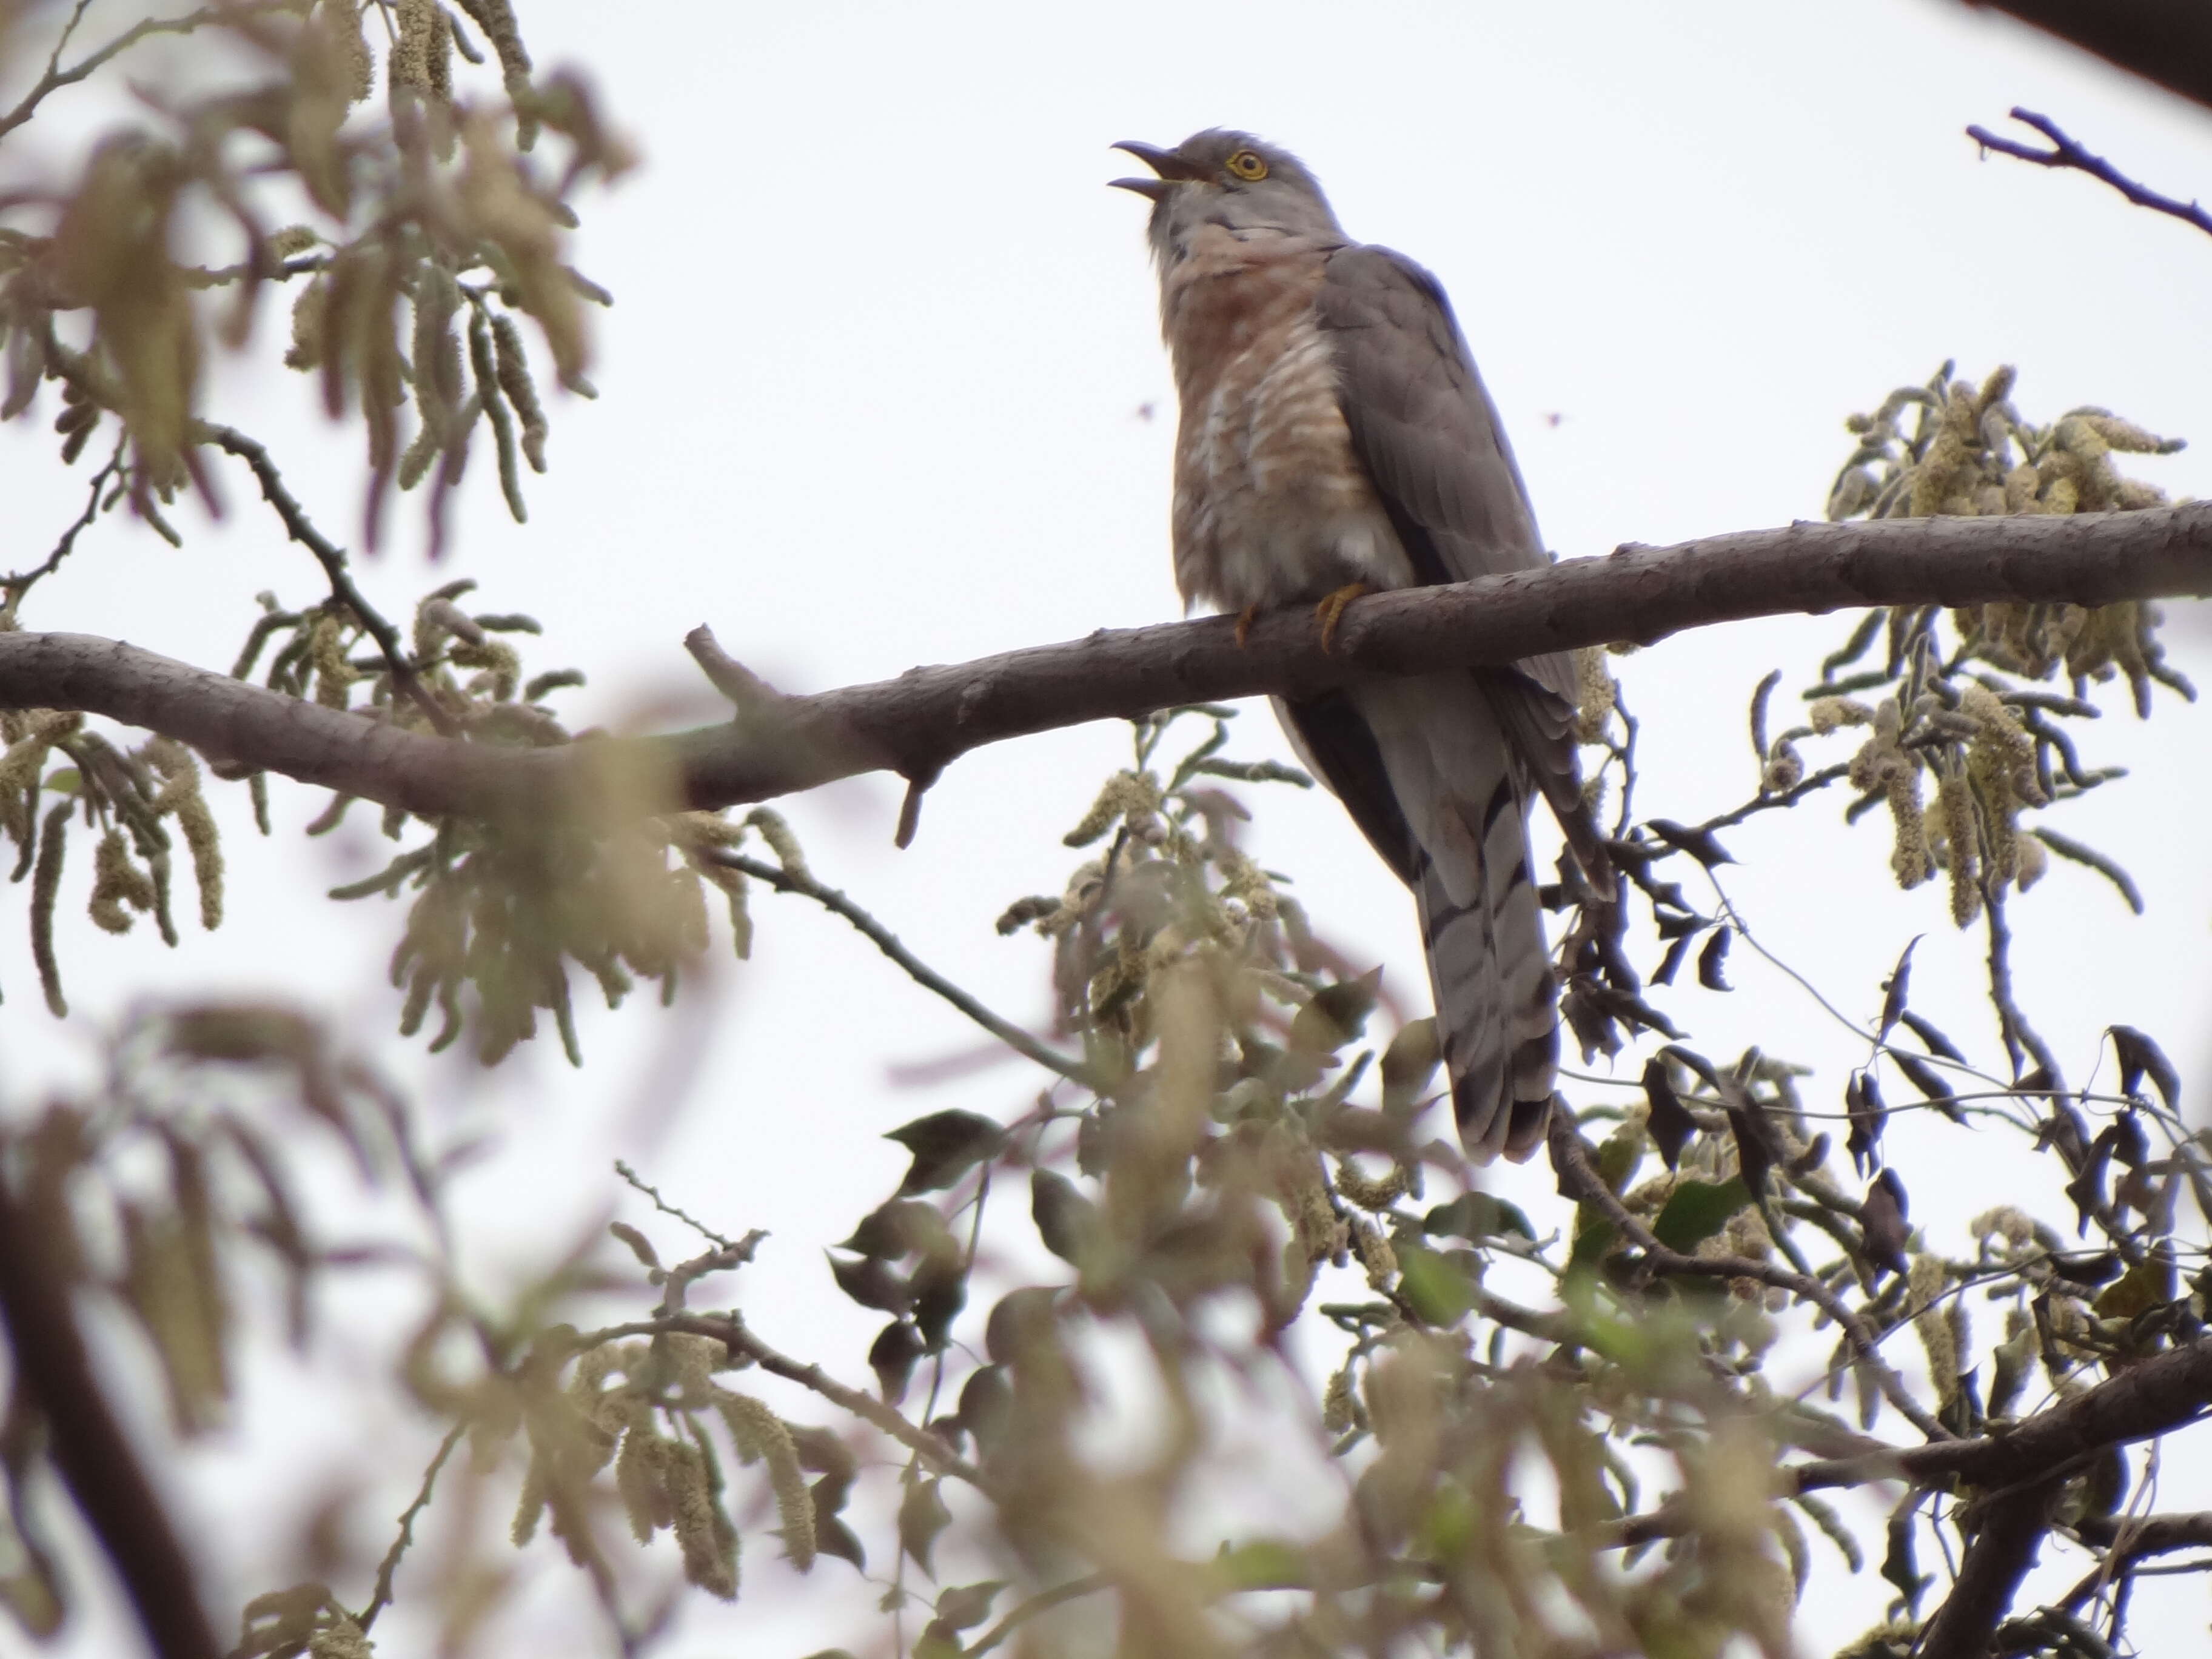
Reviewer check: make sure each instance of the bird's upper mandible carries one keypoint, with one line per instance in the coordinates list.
(1230, 179)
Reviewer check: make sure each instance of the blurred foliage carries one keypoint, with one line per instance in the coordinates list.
(1539, 1430)
(406, 235)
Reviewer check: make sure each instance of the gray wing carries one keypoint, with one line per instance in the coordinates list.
(1428, 435)
(1436, 769)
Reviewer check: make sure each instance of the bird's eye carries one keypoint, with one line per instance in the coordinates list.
(1248, 165)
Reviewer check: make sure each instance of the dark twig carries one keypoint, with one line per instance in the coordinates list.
(2012, 1024)
(332, 558)
(662, 1205)
(788, 881)
(56, 77)
(387, 1568)
(47, 1355)
(15, 585)
(2065, 153)
(1579, 1181)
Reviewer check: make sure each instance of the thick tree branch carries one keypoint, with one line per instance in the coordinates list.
(2160, 1394)
(787, 880)
(2011, 1526)
(926, 717)
(2166, 41)
(2148, 1535)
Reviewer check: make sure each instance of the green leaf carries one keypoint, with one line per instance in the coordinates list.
(1697, 1210)
(1475, 1217)
(1593, 1238)
(1436, 1289)
(1262, 1564)
(61, 780)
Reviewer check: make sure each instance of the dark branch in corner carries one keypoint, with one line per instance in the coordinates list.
(2165, 41)
(916, 724)
(2065, 153)
(104, 1474)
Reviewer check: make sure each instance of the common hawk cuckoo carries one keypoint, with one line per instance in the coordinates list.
(1335, 439)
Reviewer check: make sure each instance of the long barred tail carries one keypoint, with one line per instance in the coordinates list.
(1496, 996)
(1459, 789)
(1428, 768)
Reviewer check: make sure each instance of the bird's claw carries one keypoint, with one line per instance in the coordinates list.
(1329, 613)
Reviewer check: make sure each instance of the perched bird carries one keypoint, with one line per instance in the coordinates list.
(1335, 440)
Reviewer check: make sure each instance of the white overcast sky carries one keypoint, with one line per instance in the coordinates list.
(873, 394)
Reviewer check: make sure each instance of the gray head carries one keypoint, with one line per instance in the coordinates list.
(1220, 177)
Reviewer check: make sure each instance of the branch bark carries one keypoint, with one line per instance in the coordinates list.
(2156, 1396)
(917, 723)
(89, 1446)
(2011, 1527)
(2165, 41)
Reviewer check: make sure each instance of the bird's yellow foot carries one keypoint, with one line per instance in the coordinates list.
(1245, 619)
(1330, 611)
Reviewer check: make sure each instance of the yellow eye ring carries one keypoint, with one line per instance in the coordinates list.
(1248, 165)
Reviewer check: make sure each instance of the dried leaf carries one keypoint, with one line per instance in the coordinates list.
(1882, 1217)
(1701, 844)
(945, 1146)
(1862, 1104)
(892, 1358)
(1067, 1220)
(873, 1283)
(1894, 990)
(921, 1517)
(1713, 959)
(1666, 1120)
(2140, 1057)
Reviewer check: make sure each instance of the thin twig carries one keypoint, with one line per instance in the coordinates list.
(385, 1569)
(788, 881)
(55, 77)
(16, 586)
(1580, 1181)
(668, 1209)
(2065, 153)
(2012, 1024)
(733, 1334)
(332, 558)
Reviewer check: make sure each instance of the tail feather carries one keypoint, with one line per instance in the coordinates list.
(1429, 768)
(1452, 768)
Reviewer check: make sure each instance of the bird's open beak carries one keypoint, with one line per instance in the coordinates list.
(1171, 166)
